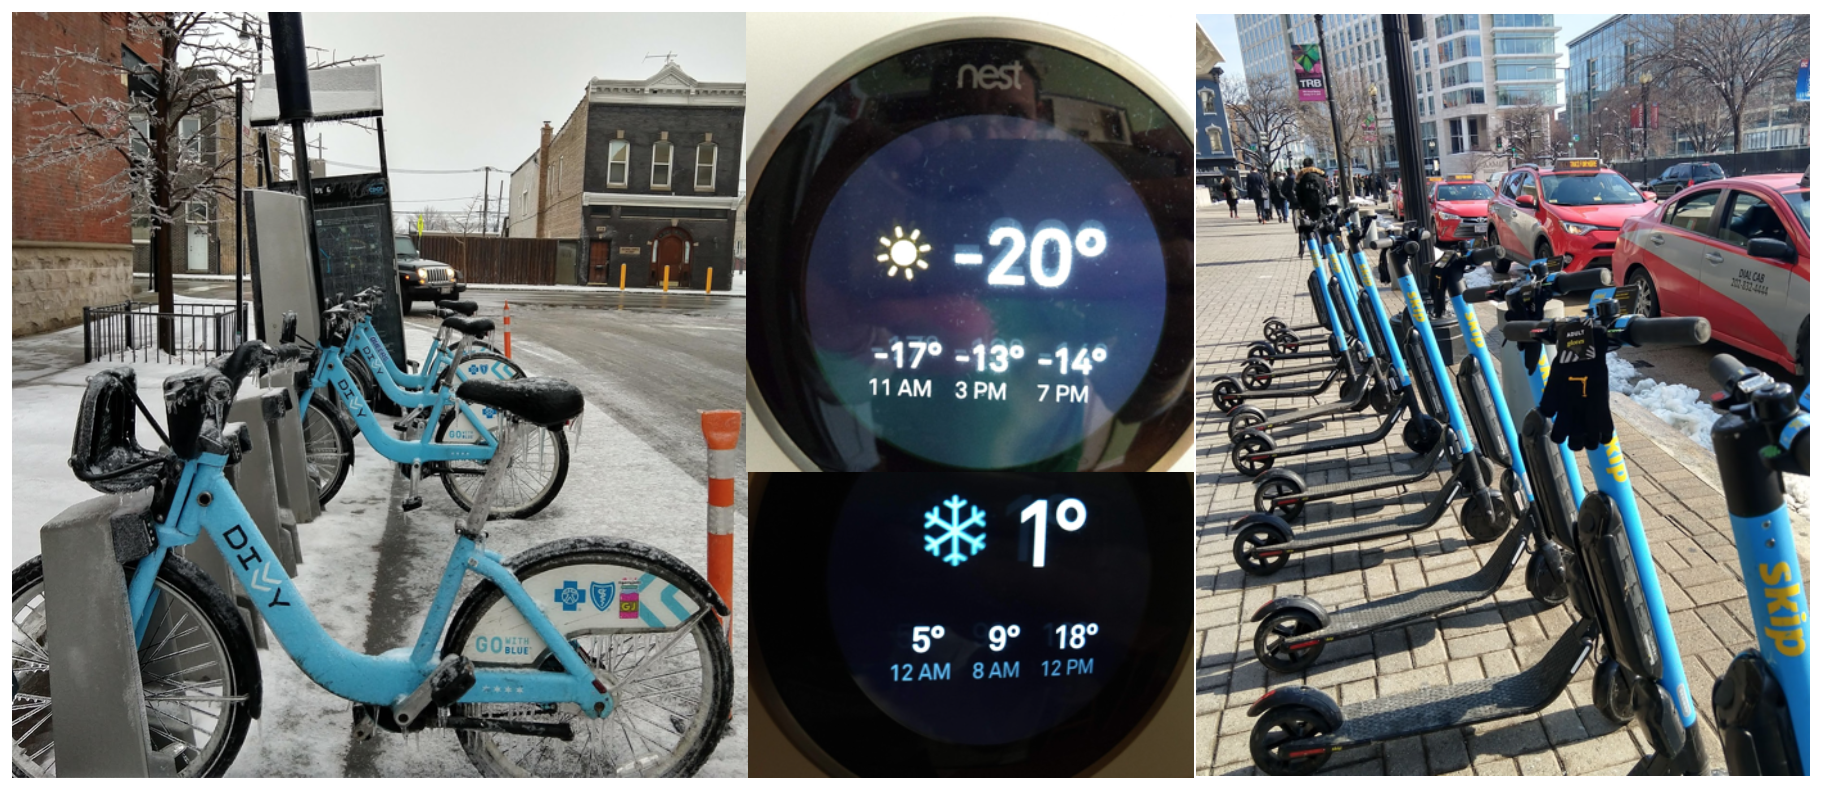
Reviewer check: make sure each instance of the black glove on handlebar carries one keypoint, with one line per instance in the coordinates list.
(1577, 395)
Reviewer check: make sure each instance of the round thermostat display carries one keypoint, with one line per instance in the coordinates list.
(973, 254)
(972, 624)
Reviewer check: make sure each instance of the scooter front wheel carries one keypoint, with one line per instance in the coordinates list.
(1281, 725)
(1613, 693)
(1485, 526)
(1546, 576)
(1421, 433)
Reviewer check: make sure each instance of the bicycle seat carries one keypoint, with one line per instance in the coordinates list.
(542, 401)
(474, 327)
(458, 307)
(105, 453)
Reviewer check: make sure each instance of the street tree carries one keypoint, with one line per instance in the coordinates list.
(1731, 55)
(1525, 127)
(1266, 114)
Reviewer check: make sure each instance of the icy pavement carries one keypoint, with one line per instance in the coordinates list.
(369, 571)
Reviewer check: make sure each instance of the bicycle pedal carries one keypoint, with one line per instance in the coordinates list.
(363, 728)
(452, 678)
(412, 503)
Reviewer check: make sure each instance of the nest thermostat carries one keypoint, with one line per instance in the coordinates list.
(972, 624)
(972, 250)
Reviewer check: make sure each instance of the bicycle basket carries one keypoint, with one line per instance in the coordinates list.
(106, 453)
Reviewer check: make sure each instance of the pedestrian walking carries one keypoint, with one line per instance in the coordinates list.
(1228, 189)
(1276, 203)
(1286, 194)
(1257, 189)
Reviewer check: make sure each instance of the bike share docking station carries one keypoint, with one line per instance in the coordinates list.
(85, 546)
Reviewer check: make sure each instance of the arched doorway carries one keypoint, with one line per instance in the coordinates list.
(672, 248)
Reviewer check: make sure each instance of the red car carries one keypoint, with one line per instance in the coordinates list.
(1461, 207)
(1735, 251)
(1576, 207)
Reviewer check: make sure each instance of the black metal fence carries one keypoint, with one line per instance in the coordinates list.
(132, 331)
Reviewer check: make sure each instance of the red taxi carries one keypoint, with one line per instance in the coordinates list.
(1461, 207)
(1575, 207)
(1735, 251)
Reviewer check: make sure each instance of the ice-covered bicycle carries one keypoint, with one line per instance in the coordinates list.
(590, 656)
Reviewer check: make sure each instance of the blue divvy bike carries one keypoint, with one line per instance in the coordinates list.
(441, 435)
(589, 656)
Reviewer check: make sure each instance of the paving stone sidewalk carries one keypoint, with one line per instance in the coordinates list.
(1247, 272)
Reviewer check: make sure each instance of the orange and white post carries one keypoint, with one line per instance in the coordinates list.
(722, 432)
(507, 331)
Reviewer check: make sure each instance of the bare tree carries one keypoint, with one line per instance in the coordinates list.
(1524, 126)
(1732, 55)
(1690, 112)
(134, 143)
(1350, 95)
(1264, 111)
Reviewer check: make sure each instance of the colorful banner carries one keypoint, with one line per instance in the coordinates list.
(1308, 72)
(1801, 90)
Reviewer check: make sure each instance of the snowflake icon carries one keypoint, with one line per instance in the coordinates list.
(954, 531)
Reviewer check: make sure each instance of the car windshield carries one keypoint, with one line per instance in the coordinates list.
(1798, 201)
(1465, 192)
(1603, 188)
(1707, 171)
(402, 247)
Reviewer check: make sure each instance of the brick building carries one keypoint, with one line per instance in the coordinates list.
(69, 250)
(644, 177)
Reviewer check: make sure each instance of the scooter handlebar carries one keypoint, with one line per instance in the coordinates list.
(1667, 331)
(1581, 281)
(1727, 370)
(1487, 254)
(1490, 292)
(1521, 330)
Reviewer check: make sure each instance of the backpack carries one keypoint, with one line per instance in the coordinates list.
(1310, 192)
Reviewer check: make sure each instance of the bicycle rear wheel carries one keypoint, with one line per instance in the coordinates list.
(538, 462)
(198, 671)
(671, 685)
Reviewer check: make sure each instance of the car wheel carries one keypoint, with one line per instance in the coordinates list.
(1648, 304)
(405, 306)
(1543, 250)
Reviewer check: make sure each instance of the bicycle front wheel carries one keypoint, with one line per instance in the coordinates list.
(671, 684)
(198, 672)
(329, 447)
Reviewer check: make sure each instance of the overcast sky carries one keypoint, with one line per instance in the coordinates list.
(1222, 30)
(464, 91)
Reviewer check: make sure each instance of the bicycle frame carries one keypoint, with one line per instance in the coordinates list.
(331, 371)
(435, 359)
(206, 504)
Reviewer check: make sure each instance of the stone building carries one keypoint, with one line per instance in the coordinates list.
(644, 176)
(69, 250)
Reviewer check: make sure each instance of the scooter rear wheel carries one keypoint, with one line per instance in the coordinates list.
(1227, 393)
(1281, 725)
(1244, 417)
(1263, 351)
(1258, 535)
(1272, 325)
(1252, 453)
(1256, 375)
(1285, 342)
(1270, 636)
(1273, 487)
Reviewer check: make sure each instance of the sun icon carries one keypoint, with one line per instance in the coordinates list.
(903, 251)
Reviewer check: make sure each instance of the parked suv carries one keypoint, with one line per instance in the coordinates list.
(1575, 207)
(1736, 251)
(1683, 175)
(421, 279)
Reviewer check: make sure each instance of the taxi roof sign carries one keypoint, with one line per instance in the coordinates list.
(1436, 179)
(1578, 163)
(1462, 178)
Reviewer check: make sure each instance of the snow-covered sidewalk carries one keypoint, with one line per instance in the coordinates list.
(369, 571)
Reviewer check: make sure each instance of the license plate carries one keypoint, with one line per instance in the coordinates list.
(1478, 227)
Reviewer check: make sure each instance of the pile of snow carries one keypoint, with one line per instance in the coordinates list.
(1686, 409)
(1479, 277)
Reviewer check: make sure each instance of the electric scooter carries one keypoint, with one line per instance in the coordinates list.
(1614, 591)
(1227, 391)
(1293, 630)
(1761, 700)
(1264, 541)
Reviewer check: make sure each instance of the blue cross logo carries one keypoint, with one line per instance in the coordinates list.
(569, 596)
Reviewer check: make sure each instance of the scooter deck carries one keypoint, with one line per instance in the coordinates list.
(1369, 437)
(1271, 422)
(1378, 528)
(1436, 708)
(1303, 370)
(1332, 372)
(1429, 465)
(1414, 606)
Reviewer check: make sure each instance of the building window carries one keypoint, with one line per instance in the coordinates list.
(1458, 135)
(196, 212)
(1207, 99)
(618, 164)
(1460, 48)
(188, 138)
(1521, 20)
(1448, 24)
(1524, 43)
(526, 207)
(1460, 74)
(706, 166)
(662, 164)
(1217, 138)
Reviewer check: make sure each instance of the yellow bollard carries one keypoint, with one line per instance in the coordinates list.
(665, 280)
(708, 273)
(624, 276)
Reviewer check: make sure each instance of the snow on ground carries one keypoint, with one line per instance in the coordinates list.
(617, 486)
(1687, 410)
(1479, 277)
